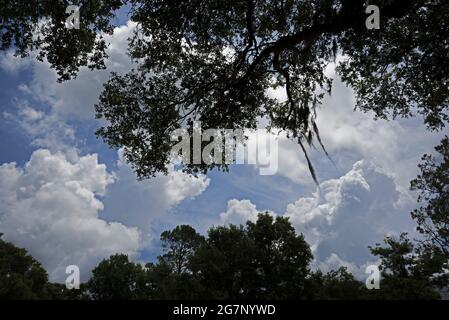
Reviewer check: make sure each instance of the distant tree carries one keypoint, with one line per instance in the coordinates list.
(117, 278)
(405, 274)
(21, 276)
(283, 257)
(171, 277)
(166, 284)
(59, 291)
(432, 185)
(264, 260)
(419, 269)
(179, 245)
(335, 285)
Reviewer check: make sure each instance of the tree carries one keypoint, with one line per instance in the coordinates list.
(21, 276)
(405, 274)
(335, 285)
(417, 270)
(214, 61)
(40, 26)
(179, 245)
(171, 277)
(225, 264)
(117, 278)
(432, 185)
(166, 284)
(264, 260)
(283, 257)
(59, 291)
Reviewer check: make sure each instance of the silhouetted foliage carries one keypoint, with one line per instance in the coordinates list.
(214, 61)
(405, 275)
(40, 25)
(117, 278)
(179, 246)
(21, 276)
(335, 285)
(433, 187)
(419, 270)
(264, 260)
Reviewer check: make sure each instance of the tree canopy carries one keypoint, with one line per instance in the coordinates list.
(40, 26)
(414, 270)
(261, 260)
(407, 272)
(214, 61)
(117, 278)
(432, 185)
(21, 276)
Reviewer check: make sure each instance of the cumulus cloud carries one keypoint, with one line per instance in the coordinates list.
(334, 262)
(238, 212)
(51, 207)
(138, 203)
(343, 217)
(75, 98)
(241, 211)
(348, 214)
(350, 135)
(66, 209)
(292, 163)
(272, 153)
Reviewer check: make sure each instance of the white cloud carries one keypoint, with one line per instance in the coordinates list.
(75, 98)
(70, 210)
(292, 163)
(343, 217)
(348, 214)
(51, 206)
(275, 154)
(138, 203)
(351, 135)
(334, 262)
(13, 64)
(238, 212)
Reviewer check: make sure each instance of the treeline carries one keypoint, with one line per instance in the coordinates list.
(265, 259)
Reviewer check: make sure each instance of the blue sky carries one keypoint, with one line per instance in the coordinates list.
(69, 199)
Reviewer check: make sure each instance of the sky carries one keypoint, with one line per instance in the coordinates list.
(69, 199)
